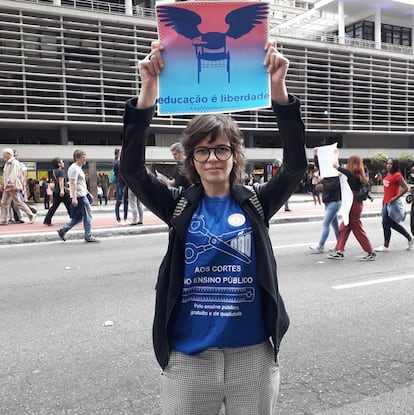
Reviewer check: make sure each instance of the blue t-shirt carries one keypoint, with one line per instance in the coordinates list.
(221, 301)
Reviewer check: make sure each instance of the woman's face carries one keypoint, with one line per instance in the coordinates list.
(389, 165)
(214, 172)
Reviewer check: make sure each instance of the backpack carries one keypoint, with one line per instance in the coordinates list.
(112, 176)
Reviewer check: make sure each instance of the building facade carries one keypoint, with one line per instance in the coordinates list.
(68, 66)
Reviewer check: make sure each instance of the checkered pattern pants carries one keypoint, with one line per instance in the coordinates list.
(245, 379)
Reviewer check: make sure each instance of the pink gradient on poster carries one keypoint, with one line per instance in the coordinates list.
(246, 51)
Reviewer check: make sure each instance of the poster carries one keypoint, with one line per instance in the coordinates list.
(213, 56)
(326, 157)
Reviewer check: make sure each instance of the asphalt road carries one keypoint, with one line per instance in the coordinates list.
(75, 327)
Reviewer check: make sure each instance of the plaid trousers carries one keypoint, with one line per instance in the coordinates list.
(244, 379)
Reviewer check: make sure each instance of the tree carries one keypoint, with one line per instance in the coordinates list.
(406, 161)
(378, 162)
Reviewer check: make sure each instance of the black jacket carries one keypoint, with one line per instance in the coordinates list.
(162, 201)
(331, 190)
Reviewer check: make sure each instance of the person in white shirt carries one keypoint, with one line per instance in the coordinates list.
(81, 208)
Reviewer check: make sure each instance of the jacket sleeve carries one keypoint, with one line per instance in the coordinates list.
(278, 189)
(156, 196)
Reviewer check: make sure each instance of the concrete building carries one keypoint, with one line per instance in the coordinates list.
(68, 66)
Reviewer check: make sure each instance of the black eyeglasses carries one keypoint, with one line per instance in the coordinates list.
(222, 153)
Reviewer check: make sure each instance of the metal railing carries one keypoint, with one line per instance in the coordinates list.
(69, 69)
(335, 39)
(98, 6)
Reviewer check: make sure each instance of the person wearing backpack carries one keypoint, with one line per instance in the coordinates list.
(331, 198)
(355, 174)
(121, 194)
(219, 317)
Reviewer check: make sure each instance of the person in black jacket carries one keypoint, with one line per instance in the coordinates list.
(60, 191)
(410, 200)
(331, 197)
(219, 317)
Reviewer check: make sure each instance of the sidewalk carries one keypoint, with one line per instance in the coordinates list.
(104, 224)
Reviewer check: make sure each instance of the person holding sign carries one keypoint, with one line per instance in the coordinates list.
(219, 316)
(331, 197)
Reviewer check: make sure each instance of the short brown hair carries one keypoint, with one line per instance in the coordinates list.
(212, 126)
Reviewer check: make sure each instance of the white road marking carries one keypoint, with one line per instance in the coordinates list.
(373, 282)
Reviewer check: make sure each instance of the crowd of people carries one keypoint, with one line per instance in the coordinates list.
(55, 190)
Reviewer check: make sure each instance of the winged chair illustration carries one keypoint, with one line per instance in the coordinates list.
(210, 47)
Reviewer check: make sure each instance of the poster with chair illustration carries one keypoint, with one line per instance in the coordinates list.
(213, 55)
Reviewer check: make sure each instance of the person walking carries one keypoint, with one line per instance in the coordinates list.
(120, 190)
(412, 202)
(12, 186)
(316, 194)
(81, 208)
(32, 190)
(331, 198)
(219, 316)
(136, 209)
(15, 213)
(394, 187)
(60, 191)
(44, 192)
(355, 173)
(103, 184)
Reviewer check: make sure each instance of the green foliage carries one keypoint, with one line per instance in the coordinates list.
(378, 161)
(406, 161)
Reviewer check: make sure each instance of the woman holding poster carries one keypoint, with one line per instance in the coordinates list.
(219, 317)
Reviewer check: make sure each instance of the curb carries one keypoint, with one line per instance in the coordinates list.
(48, 236)
(79, 234)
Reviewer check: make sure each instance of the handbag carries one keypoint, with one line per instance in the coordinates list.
(363, 193)
(396, 211)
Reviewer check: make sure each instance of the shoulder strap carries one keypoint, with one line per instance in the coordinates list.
(180, 206)
(254, 200)
(183, 202)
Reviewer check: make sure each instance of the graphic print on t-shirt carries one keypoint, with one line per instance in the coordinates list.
(220, 303)
(238, 246)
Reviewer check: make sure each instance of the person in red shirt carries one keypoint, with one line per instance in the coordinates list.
(394, 187)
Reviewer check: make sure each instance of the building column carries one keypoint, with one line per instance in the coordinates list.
(378, 27)
(341, 22)
(93, 180)
(64, 135)
(128, 7)
(412, 33)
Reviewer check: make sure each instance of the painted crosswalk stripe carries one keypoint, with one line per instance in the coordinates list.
(373, 282)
